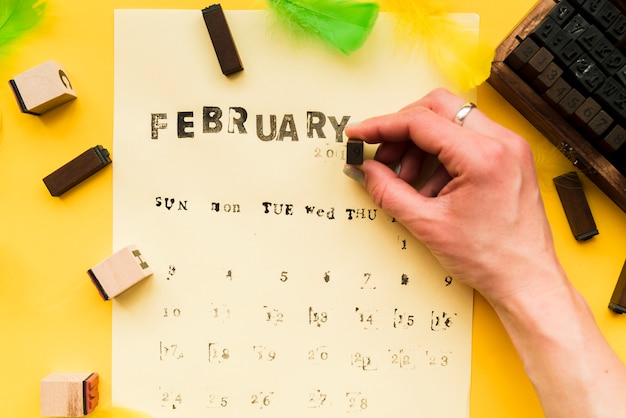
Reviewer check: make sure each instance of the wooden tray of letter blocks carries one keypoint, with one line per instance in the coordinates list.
(579, 105)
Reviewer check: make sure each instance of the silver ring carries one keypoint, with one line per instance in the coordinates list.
(463, 112)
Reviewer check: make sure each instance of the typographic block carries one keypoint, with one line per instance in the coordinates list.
(69, 394)
(354, 152)
(119, 272)
(42, 88)
(77, 170)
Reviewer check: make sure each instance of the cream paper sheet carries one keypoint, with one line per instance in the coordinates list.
(280, 290)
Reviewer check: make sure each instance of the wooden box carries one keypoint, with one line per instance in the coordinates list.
(551, 124)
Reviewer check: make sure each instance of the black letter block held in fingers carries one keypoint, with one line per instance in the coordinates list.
(354, 152)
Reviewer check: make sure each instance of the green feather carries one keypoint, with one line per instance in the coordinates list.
(344, 24)
(18, 16)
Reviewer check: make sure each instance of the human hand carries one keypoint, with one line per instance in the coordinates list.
(480, 213)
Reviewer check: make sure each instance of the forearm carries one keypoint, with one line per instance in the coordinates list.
(574, 371)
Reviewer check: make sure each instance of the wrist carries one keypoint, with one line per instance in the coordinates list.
(537, 290)
(549, 316)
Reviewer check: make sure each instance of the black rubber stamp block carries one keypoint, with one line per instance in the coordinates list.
(590, 38)
(575, 205)
(577, 26)
(536, 64)
(572, 101)
(613, 141)
(618, 299)
(524, 52)
(547, 77)
(222, 39)
(354, 152)
(545, 30)
(598, 125)
(77, 170)
(557, 92)
(569, 53)
(587, 111)
(562, 12)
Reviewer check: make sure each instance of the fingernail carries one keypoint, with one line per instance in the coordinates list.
(355, 174)
(353, 124)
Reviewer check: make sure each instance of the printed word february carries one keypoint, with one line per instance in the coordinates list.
(272, 127)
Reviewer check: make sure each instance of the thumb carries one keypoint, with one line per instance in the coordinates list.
(392, 194)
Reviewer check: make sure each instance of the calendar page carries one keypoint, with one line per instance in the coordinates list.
(280, 289)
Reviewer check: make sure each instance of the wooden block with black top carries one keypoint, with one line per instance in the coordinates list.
(575, 205)
(42, 88)
(77, 170)
(222, 39)
(69, 394)
(618, 299)
(119, 272)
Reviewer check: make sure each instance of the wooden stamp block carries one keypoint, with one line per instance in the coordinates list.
(558, 41)
(607, 15)
(614, 62)
(569, 53)
(575, 205)
(562, 12)
(618, 299)
(354, 152)
(557, 92)
(613, 141)
(570, 103)
(119, 272)
(536, 64)
(587, 111)
(42, 88)
(222, 39)
(545, 30)
(590, 38)
(598, 125)
(77, 170)
(577, 26)
(617, 30)
(522, 54)
(69, 394)
(547, 77)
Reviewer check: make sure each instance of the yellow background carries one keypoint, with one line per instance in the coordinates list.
(52, 318)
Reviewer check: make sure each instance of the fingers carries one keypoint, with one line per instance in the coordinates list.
(435, 183)
(447, 105)
(433, 114)
(394, 195)
(428, 123)
(403, 157)
(420, 125)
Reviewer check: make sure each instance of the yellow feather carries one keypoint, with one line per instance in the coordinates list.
(451, 42)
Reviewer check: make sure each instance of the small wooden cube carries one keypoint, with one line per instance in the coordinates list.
(69, 394)
(42, 88)
(119, 272)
